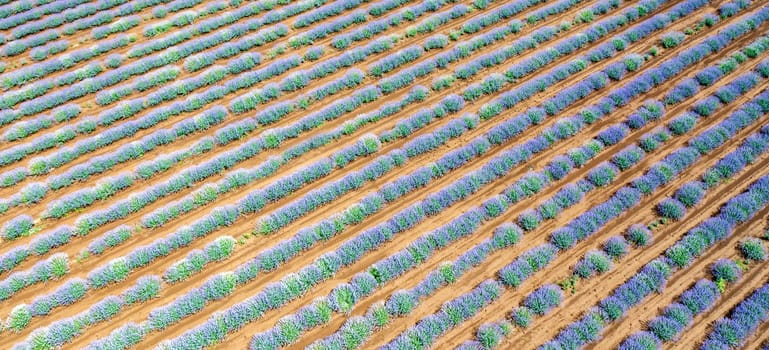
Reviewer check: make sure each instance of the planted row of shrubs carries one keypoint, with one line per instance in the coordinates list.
(224, 19)
(52, 268)
(196, 260)
(63, 331)
(118, 26)
(82, 17)
(15, 15)
(139, 84)
(23, 129)
(410, 13)
(27, 74)
(16, 47)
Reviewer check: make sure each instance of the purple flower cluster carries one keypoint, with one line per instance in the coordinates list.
(641, 340)
(16, 227)
(671, 208)
(146, 288)
(603, 174)
(627, 157)
(544, 299)
(725, 270)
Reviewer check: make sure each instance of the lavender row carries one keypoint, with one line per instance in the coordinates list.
(139, 84)
(253, 201)
(565, 47)
(452, 314)
(325, 29)
(84, 16)
(489, 18)
(100, 191)
(212, 24)
(179, 52)
(118, 26)
(23, 129)
(70, 292)
(62, 331)
(60, 236)
(518, 46)
(295, 81)
(16, 7)
(102, 163)
(411, 13)
(401, 302)
(95, 165)
(24, 13)
(324, 12)
(115, 76)
(42, 165)
(35, 71)
(11, 98)
(52, 268)
(431, 23)
(16, 47)
(182, 19)
(682, 254)
(395, 60)
(196, 260)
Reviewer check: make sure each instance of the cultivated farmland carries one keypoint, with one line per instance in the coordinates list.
(391, 174)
